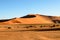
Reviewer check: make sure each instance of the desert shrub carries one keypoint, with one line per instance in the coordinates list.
(9, 27)
(52, 26)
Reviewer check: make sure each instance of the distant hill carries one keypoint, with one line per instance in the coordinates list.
(32, 19)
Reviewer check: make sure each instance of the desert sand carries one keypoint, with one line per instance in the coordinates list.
(29, 35)
(29, 19)
(32, 19)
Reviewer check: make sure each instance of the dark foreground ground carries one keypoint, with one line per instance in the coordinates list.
(30, 35)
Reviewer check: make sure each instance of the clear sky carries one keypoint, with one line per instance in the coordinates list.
(18, 8)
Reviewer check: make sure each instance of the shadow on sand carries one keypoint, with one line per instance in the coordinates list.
(54, 29)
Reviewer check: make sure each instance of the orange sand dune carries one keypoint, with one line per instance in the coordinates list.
(37, 19)
(31, 19)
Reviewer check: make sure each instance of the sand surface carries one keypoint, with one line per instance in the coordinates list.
(38, 19)
(30, 35)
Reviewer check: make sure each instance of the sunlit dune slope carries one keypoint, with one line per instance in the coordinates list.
(29, 19)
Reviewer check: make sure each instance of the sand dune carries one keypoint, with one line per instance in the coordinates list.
(29, 35)
(30, 19)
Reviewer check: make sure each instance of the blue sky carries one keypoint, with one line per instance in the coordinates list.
(18, 8)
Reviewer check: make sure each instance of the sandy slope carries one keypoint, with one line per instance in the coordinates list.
(34, 20)
(30, 35)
